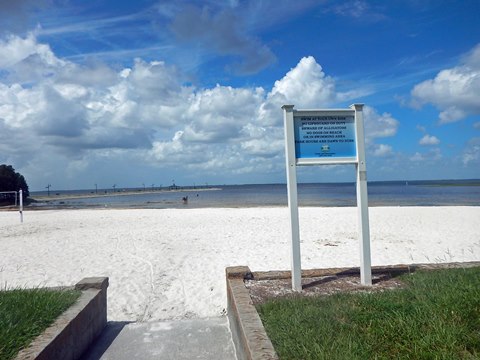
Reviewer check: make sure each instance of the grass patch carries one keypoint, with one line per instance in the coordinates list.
(437, 316)
(26, 313)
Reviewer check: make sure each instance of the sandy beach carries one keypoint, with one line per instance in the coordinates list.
(170, 263)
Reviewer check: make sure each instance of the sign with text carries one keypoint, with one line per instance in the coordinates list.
(327, 136)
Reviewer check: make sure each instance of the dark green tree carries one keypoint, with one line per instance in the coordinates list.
(10, 180)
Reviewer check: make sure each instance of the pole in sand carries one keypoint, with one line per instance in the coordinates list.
(21, 205)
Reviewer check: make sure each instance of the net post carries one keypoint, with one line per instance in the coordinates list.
(21, 205)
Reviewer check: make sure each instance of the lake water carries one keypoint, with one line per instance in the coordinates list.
(392, 193)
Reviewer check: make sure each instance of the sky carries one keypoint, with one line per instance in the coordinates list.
(129, 93)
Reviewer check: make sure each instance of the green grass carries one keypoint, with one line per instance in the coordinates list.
(26, 313)
(436, 316)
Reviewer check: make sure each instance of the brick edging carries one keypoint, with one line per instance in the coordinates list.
(73, 331)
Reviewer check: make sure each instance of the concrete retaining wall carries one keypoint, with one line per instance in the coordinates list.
(249, 336)
(73, 332)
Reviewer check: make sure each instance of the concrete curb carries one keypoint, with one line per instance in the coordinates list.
(249, 336)
(73, 332)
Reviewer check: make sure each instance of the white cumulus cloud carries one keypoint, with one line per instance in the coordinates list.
(417, 157)
(453, 91)
(382, 150)
(378, 125)
(429, 140)
(70, 118)
(432, 155)
(471, 153)
(306, 86)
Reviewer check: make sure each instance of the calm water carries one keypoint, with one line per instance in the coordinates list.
(398, 193)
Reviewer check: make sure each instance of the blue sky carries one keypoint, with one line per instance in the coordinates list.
(146, 92)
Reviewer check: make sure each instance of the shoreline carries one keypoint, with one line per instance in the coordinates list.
(55, 197)
(179, 206)
(311, 195)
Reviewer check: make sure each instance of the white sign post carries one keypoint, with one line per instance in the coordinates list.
(292, 197)
(320, 137)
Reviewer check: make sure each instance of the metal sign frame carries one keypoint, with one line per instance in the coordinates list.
(293, 160)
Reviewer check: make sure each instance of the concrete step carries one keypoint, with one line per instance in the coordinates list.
(183, 339)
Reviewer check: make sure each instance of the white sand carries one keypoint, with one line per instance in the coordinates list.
(167, 264)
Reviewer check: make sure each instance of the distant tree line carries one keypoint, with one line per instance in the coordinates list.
(10, 180)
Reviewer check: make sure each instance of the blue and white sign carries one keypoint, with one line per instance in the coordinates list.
(330, 136)
(325, 137)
